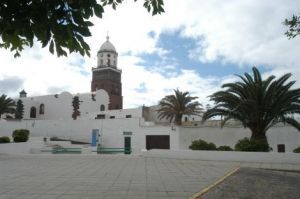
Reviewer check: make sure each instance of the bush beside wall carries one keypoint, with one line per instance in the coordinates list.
(224, 148)
(297, 150)
(252, 145)
(4, 139)
(20, 135)
(202, 145)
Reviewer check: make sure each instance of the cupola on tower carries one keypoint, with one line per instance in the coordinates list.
(107, 76)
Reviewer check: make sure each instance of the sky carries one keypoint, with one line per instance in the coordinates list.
(195, 46)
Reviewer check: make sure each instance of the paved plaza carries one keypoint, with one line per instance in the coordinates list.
(104, 176)
(138, 177)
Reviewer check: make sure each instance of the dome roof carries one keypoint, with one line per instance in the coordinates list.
(107, 46)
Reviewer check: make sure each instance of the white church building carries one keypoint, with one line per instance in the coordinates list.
(102, 113)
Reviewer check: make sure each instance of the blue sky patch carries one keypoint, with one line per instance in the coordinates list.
(177, 50)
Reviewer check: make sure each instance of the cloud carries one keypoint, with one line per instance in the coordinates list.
(10, 84)
(241, 33)
(156, 85)
(57, 90)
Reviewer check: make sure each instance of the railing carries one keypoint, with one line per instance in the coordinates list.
(101, 150)
(61, 150)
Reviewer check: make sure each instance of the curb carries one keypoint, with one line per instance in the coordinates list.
(220, 180)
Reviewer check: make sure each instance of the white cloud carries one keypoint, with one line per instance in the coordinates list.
(240, 32)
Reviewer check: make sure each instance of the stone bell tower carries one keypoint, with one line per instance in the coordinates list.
(107, 76)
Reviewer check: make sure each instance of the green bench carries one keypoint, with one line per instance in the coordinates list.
(113, 150)
(61, 150)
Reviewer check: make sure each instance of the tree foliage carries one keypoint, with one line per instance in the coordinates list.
(7, 105)
(60, 24)
(75, 104)
(259, 104)
(294, 26)
(177, 105)
(19, 110)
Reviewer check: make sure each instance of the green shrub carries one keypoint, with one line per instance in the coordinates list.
(202, 145)
(20, 135)
(4, 139)
(224, 148)
(297, 150)
(247, 144)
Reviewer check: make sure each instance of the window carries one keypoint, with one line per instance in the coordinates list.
(102, 107)
(281, 148)
(101, 61)
(128, 116)
(42, 109)
(112, 117)
(108, 62)
(185, 119)
(100, 116)
(32, 112)
(108, 55)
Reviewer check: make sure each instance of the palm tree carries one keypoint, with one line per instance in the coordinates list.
(175, 106)
(7, 105)
(258, 104)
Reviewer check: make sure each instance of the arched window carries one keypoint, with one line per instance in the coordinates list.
(102, 107)
(42, 109)
(32, 112)
(108, 62)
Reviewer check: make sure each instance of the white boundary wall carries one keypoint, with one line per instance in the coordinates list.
(260, 157)
(111, 131)
(229, 136)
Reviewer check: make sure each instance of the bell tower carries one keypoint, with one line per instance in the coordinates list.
(107, 76)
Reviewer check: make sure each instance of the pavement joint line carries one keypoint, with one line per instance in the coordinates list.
(211, 186)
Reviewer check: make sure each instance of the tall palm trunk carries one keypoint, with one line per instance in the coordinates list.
(178, 119)
(258, 134)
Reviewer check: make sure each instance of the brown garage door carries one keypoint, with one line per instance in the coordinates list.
(157, 142)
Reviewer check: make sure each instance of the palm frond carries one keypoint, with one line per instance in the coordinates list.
(258, 103)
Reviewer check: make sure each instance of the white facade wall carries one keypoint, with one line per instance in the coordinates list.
(111, 130)
(118, 114)
(229, 136)
(59, 107)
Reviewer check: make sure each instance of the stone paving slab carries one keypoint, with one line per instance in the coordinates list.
(105, 176)
(258, 183)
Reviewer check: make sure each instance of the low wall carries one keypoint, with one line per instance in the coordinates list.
(260, 157)
(21, 147)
